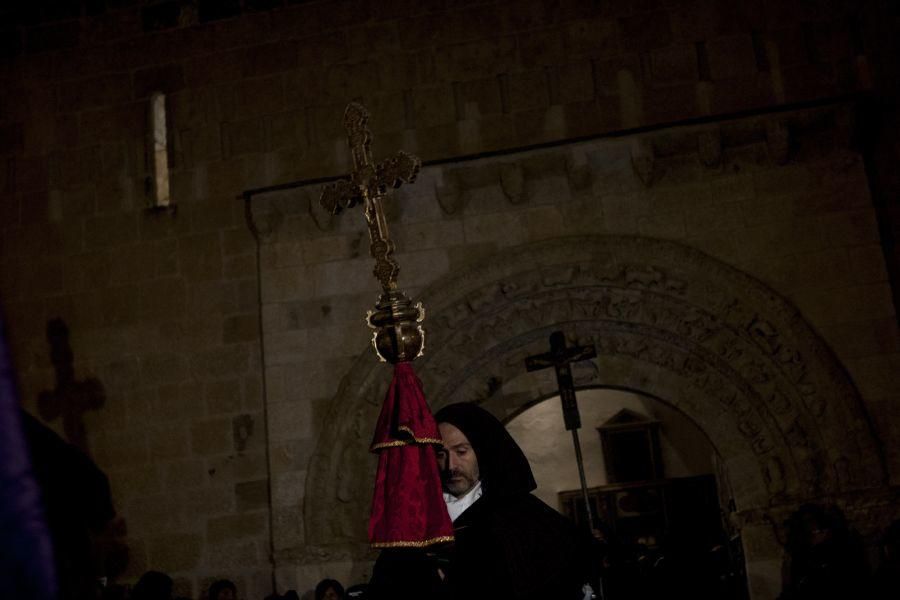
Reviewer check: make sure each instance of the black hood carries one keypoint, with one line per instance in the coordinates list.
(504, 469)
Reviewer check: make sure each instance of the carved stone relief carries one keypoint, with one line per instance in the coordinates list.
(668, 321)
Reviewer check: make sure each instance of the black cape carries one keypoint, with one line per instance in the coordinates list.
(509, 544)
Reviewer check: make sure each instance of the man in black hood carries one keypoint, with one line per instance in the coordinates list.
(508, 544)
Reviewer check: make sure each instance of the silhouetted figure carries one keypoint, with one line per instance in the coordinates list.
(329, 589)
(78, 505)
(886, 581)
(153, 585)
(27, 568)
(222, 590)
(70, 398)
(824, 560)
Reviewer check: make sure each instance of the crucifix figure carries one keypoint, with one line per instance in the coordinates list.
(70, 398)
(560, 358)
(397, 337)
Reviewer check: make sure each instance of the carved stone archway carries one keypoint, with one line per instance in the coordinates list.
(668, 321)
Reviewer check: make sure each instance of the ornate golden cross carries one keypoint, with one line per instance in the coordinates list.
(398, 336)
(368, 185)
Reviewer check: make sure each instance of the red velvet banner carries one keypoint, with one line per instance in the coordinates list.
(408, 507)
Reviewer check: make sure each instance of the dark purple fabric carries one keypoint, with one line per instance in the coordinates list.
(26, 554)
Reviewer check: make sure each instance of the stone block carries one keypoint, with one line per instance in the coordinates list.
(482, 229)
(600, 38)
(527, 91)
(94, 92)
(422, 267)
(167, 442)
(290, 420)
(400, 71)
(222, 397)
(200, 256)
(287, 529)
(212, 436)
(290, 455)
(240, 328)
(243, 137)
(255, 97)
(252, 495)
(222, 362)
(249, 465)
(828, 268)
(345, 81)
(128, 483)
(121, 449)
(543, 222)
(576, 82)
(343, 277)
(175, 552)
(239, 267)
(663, 225)
(287, 130)
(867, 263)
(864, 337)
(483, 58)
(161, 299)
(423, 235)
(645, 31)
(433, 106)
(63, 35)
(673, 65)
(275, 57)
(315, 377)
(29, 174)
(875, 375)
(229, 557)
(731, 57)
(288, 284)
(479, 97)
(720, 218)
(163, 78)
(333, 248)
(110, 230)
(185, 474)
(849, 228)
(288, 489)
(541, 48)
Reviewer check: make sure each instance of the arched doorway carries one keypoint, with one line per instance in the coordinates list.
(659, 493)
(666, 319)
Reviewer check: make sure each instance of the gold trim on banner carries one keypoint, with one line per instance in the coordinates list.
(437, 540)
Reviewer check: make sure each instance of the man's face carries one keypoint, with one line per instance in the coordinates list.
(457, 461)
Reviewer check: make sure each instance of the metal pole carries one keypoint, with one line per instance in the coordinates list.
(584, 490)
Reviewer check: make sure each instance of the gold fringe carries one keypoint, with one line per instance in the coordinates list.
(395, 443)
(437, 540)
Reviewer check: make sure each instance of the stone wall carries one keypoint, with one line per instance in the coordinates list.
(163, 306)
(800, 224)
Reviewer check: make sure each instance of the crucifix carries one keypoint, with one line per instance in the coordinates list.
(560, 358)
(70, 398)
(397, 337)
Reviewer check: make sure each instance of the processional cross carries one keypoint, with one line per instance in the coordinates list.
(397, 337)
(560, 358)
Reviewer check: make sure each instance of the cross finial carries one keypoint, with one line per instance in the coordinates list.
(368, 185)
(398, 336)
